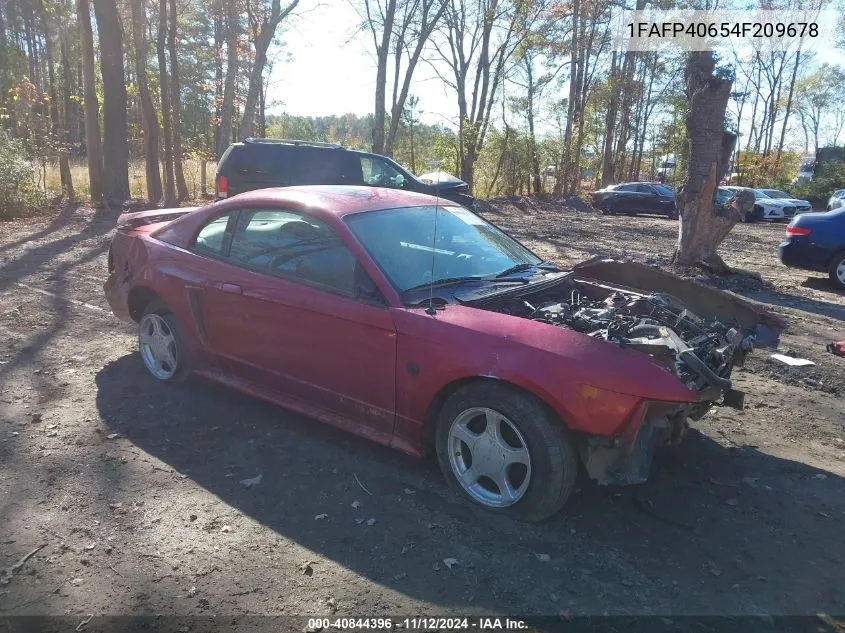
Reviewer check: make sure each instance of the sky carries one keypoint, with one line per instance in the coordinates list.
(332, 69)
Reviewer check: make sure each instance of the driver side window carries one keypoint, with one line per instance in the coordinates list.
(294, 246)
(380, 173)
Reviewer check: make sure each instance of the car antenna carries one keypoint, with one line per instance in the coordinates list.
(430, 309)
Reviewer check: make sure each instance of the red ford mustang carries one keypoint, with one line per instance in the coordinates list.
(416, 323)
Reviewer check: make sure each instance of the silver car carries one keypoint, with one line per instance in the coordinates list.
(802, 206)
(836, 200)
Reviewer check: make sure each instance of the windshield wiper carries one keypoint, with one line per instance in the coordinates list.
(520, 267)
(453, 281)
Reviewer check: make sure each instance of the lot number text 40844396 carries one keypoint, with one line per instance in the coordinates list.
(418, 624)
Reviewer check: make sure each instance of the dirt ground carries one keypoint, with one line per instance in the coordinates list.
(133, 488)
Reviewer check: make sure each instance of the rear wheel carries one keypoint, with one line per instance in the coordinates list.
(836, 270)
(161, 344)
(502, 449)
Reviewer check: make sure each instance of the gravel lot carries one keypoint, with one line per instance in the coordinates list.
(133, 487)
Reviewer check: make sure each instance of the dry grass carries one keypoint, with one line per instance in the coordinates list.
(50, 179)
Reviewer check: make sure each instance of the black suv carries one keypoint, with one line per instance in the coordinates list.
(260, 163)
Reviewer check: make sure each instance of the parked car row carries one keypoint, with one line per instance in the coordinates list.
(632, 198)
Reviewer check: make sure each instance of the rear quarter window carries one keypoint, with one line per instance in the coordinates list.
(260, 161)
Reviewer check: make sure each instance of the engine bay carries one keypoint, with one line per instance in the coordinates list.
(700, 353)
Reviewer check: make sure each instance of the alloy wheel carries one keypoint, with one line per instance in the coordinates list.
(489, 457)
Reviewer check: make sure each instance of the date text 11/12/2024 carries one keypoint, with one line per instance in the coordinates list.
(418, 624)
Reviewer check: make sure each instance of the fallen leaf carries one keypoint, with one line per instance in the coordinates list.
(226, 528)
(112, 436)
(450, 562)
(249, 483)
(306, 567)
(732, 502)
(820, 476)
(543, 558)
(320, 517)
(408, 491)
(371, 522)
(823, 514)
(714, 569)
(356, 504)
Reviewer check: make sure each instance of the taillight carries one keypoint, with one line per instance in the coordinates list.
(798, 230)
(222, 186)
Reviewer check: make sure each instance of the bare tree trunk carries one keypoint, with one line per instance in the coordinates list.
(65, 139)
(115, 141)
(563, 182)
(56, 131)
(217, 9)
(263, 37)
(176, 106)
(93, 147)
(382, 52)
(607, 176)
(148, 112)
(788, 105)
(228, 108)
(423, 32)
(700, 229)
(164, 90)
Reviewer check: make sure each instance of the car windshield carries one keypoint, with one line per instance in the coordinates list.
(776, 193)
(663, 190)
(410, 252)
(759, 195)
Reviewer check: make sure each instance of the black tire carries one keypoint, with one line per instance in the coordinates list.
(832, 270)
(552, 453)
(183, 365)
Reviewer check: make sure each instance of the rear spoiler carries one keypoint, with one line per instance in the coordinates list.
(129, 221)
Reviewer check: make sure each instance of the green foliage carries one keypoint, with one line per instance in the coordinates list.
(757, 169)
(431, 142)
(818, 190)
(19, 193)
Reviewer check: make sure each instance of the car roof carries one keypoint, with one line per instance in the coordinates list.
(337, 200)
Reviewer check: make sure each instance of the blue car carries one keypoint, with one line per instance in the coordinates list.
(817, 242)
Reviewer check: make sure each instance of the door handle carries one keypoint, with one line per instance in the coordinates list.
(232, 288)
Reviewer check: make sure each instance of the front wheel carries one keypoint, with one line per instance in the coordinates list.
(161, 344)
(836, 270)
(505, 451)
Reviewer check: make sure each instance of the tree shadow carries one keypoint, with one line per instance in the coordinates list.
(716, 531)
(822, 284)
(794, 302)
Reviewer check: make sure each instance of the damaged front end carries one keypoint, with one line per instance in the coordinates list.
(697, 333)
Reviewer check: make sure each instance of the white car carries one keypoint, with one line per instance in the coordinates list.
(803, 206)
(836, 200)
(766, 208)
